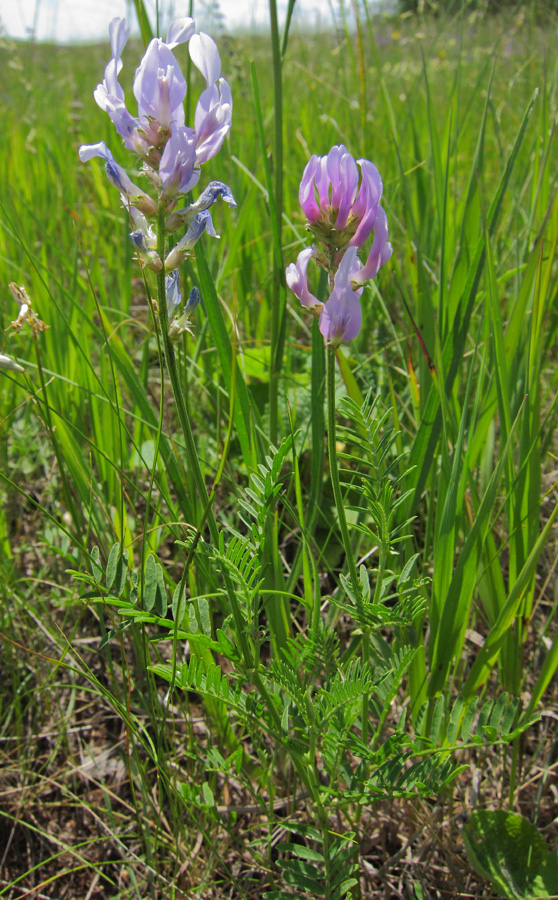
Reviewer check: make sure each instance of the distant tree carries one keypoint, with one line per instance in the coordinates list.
(436, 7)
(211, 15)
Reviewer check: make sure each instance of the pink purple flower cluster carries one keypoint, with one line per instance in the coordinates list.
(341, 201)
(171, 151)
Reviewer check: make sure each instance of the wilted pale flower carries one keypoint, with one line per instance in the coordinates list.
(172, 291)
(6, 362)
(144, 240)
(26, 313)
(341, 201)
(181, 323)
(206, 199)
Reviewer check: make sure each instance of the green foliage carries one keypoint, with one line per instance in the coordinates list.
(511, 853)
(470, 721)
(542, 8)
(263, 490)
(327, 872)
(245, 660)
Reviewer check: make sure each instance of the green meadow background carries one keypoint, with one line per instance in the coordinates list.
(458, 346)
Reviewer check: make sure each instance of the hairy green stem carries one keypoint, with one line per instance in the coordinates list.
(191, 452)
(276, 337)
(306, 773)
(333, 469)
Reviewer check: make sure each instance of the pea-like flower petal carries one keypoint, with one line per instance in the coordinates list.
(367, 203)
(297, 279)
(159, 87)
(180, 31)
(380, 250)
(205, 56)
(200, 223)
(172, 291)
(212, 119)
(341, 316)
(177, 170)
(109, 95)
(207, 198)
(342, 175)
(119, 177)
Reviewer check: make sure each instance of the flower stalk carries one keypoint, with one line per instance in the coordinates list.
(190, 445)
(340, 198)
(333, 468)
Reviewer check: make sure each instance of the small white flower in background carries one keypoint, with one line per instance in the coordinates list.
(26, 313)
(7, 363)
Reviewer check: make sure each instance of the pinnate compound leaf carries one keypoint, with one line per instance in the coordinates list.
(509, 851)
(301, 875)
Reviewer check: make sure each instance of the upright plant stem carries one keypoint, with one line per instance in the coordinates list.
(191, 452)
(172, 367)
(336, 485)
(333, 470)
(250, 660)
(276, 335)
(207, 515)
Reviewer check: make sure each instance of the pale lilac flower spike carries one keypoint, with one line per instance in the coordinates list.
(171, 151)
(341, 201)
(332, 195)
(160, 88)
